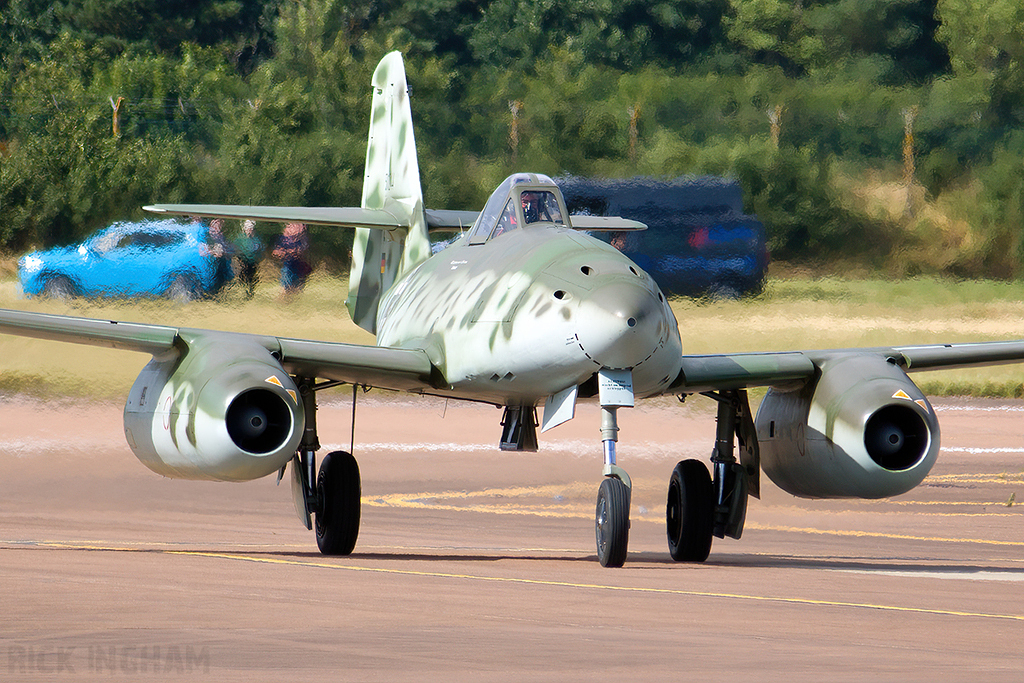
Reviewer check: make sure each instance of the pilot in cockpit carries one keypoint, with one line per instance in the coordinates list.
(534, 208)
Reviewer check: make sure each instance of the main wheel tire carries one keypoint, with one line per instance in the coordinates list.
(689, 513)
(612, 522)
(60, 287)
(339, 491)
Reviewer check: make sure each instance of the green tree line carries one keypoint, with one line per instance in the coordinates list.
(882, 132)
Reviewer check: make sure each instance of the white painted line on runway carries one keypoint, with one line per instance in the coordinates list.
(977, 409)
(959, 574)
(972, 450)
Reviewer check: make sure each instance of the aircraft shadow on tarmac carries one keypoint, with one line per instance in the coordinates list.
(637, 560)
(658, 559)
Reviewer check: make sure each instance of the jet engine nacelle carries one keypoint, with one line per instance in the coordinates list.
(223, 409)
(863, 430)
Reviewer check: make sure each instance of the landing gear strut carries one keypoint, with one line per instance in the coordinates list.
(611, 521)
(334, 499)
(700, 507)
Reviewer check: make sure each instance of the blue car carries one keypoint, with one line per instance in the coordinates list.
(150, 258)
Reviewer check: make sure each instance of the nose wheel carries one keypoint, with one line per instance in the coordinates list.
(612, 522)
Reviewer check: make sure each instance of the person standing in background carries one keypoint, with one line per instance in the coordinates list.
(218, 247)
(291, 248)
(249, 248)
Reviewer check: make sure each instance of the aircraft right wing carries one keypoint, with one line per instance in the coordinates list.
(373, 366)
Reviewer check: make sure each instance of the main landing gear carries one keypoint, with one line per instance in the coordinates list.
(700, 506)
(334, 500)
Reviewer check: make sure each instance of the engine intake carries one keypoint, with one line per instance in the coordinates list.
(896, 437)
(258, 421)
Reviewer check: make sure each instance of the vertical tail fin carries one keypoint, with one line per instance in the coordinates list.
(391, 182)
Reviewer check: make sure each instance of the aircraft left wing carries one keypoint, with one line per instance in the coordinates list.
(374, 366)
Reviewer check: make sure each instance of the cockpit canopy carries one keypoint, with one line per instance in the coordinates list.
(521, 200)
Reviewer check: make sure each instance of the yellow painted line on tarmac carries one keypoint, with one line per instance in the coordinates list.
(239, 557)
(598, 586)
(853, 533)
(430, 501)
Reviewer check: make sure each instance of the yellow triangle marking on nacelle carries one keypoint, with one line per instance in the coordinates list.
(291, 393)
(902, 394)
(274, 380)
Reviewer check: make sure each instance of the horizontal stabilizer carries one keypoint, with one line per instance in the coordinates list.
(450, 221)
(354, 217)
(605, 223)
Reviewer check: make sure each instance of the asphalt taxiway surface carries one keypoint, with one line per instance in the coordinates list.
(477, 565)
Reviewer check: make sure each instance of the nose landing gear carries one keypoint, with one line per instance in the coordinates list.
(611, 521)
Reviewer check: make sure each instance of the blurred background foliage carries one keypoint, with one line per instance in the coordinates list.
(877, 134)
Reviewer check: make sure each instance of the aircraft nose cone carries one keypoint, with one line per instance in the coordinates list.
(624, 323)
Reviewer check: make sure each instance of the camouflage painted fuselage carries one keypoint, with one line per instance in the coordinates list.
(532, 312)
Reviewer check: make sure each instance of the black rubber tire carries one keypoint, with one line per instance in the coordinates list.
(689, 512)
(338, 491)
(60, 287)
(612, 522)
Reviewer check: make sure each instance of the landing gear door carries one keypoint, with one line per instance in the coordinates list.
(299, 493)
(615, 387)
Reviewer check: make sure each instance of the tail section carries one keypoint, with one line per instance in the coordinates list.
(391, 183)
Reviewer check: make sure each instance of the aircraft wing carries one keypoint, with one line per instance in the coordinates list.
(741, 370)
(375, 366)
(348, 216)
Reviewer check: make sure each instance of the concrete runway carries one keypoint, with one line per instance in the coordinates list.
(477, 565)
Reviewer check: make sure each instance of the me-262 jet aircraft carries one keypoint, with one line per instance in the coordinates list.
(525, 309)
